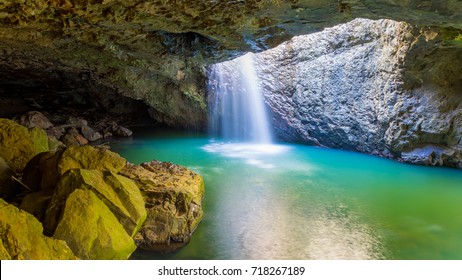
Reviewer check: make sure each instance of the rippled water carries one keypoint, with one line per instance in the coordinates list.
(298, 202)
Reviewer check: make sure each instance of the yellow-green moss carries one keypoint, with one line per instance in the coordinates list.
(18, 144)
(22, 238)
(91, 230)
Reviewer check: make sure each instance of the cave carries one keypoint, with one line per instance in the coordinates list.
(314, 129)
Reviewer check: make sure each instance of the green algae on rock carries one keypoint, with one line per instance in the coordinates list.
(18, 144)
(88, 157)
(91, 230)
(45, 169)
(22, 237)
(118, 193)
(173, 197)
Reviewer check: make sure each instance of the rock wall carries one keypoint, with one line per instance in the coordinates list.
(378, 87)
(155, 51)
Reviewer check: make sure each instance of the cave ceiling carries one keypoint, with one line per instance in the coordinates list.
(156, 50)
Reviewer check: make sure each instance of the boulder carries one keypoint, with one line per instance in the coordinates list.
(91, 230)
(7, 185)
(122, 131)
(90, 134)
(56, 131)
(77, 122)
(88, 157)
(73, 137)
(41, 172)
(19, 144)
(22, 238)
(121, 196)
(44, 170)
(173, 197)
(54, 143)
(36, 203)
(35, 119)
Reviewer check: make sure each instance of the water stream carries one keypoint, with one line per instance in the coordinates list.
(237, 110)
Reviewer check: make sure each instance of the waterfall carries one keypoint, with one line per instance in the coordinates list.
(236, 107)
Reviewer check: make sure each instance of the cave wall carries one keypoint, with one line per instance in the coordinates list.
(378, 87)
(156, 51)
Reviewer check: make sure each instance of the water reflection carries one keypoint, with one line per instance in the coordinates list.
(265, 224)
(297, 202)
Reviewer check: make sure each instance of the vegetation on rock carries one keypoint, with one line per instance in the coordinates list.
(18, 144)
(22, 238)
(91, 230)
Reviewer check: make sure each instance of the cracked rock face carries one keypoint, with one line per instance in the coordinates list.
(155, 51)
(378, 87)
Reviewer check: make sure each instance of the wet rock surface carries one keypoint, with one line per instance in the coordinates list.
(97, 53)
(368, 86)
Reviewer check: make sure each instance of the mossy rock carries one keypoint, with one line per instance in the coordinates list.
(19, 144)
(22, 237)
(173, 196)
(121, 195)
(88, 157)
(8, 187)
(91, 230)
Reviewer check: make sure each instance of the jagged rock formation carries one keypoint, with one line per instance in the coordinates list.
(93, 53)
(379, 87)
(173, 198)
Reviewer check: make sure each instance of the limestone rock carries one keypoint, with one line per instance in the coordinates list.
(379, 87)
(35, 119)
(22, 238)
(18, 144)
(91, 230)
(88, 157)
(120, 194)
(173, 197)
(432, 155)
(7, 185)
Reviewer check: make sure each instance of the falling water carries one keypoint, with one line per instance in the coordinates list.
(237, 109)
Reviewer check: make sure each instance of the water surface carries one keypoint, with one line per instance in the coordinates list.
(299, 202)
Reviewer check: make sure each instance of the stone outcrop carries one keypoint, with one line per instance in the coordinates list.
(378, 87)
(173, 198)
(118, 193)
(22, 238)
(95, 53)
(18, 144)
(91, 230)
(45, 170)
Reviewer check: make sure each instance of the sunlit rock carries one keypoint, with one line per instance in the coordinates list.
(173, 198)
